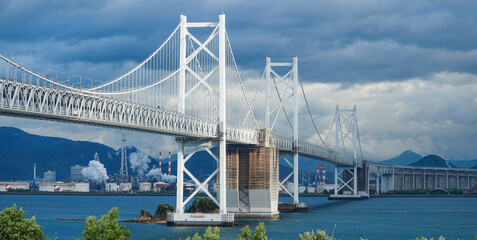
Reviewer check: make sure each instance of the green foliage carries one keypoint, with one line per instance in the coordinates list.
(423, 238)
(246, 233)
(210, 234)
(408, 192)
(106, 228)
(319, 235)
(454, 191)
(162, 210)
(259, 233)
(202, 204)
(195, 237)
(13, 225)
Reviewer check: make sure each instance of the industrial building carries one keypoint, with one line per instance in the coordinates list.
(145, 186)
(76, 175)
(5, 186)
(63, 187)
(49, 176)
(125, 187)
(159, 186)
(112, 187)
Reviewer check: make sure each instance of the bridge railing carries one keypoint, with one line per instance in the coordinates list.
(315, 151)
(31, 100)
(242, 134)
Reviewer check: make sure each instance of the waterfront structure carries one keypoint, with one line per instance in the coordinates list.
(145, 186)
(111, 187)
(49, 176)
(6, 186)
(63, 187)
(76, 175)
(397, 177)
(159, 186)
(125, 187)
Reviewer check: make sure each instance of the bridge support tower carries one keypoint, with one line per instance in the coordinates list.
(350, 181)
(223, 217)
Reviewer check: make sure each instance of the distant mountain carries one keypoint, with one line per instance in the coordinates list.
(464, 163)
(433, 161)
(474, 167)
(405, 158)
(19, 150)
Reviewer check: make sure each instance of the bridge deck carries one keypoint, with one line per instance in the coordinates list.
(21, 99)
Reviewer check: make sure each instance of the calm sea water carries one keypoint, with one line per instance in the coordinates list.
(376, 218)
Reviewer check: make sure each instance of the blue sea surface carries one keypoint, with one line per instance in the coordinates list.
(375, 218)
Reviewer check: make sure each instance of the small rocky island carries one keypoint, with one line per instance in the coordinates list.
(199, 205)
(159, 217)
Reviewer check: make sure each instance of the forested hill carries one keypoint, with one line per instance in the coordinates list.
(19, 150)
(433, 161)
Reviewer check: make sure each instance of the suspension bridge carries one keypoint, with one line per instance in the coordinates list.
(190, 87)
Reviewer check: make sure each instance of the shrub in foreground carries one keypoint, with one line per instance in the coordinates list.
(14, 225)
(106, 228)
(319, 235)
(210, 234)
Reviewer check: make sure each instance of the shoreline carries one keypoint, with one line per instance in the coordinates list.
(201, 195)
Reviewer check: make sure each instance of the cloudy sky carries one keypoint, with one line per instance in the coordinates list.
(410, 67)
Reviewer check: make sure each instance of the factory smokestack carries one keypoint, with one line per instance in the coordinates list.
(160, 162)
(324, 175)
(169, 172)
(34, 171)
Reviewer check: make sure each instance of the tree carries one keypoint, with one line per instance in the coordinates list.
(319, 235)
(246, 233)
(13, 225)
(202, 204)
(210, 234)
(423, 238)
(259, 233)
(106, 228)
(162, 211)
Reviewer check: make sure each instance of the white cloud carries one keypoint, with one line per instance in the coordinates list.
(431, 115)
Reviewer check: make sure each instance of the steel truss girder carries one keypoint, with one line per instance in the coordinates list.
(31, 100)
(286, 144)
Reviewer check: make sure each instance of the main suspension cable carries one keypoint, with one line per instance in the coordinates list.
(309, 112)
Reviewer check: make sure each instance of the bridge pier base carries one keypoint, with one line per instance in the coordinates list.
(182, 218)
(252, 181)
(351, 183)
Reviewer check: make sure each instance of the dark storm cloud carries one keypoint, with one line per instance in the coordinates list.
(337, 41)
(410, 66)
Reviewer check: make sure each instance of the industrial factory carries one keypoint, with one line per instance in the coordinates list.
(94, 177)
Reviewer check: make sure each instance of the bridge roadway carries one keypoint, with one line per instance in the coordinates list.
(28, 100)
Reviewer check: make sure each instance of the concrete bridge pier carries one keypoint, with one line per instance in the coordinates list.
(252, 179)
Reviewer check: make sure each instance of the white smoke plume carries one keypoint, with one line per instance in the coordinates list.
(139, 162)
(156, 174)
(95, 172)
